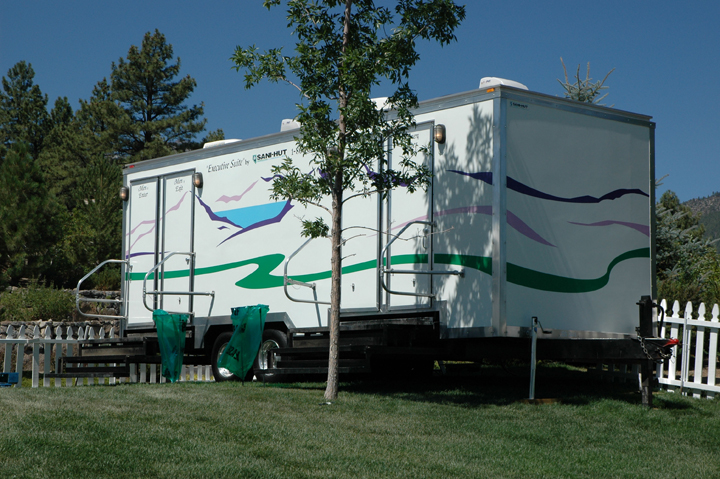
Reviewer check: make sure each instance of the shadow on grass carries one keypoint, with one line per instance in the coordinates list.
(498, 384)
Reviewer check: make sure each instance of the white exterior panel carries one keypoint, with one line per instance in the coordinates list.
(544, 204)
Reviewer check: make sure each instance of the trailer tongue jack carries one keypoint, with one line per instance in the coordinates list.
(656, 349)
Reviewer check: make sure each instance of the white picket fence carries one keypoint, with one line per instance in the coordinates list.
(699, 338)
(46, 354)
(692, 369)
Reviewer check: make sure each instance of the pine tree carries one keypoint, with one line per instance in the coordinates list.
(687, 264)
(58, 158)
(30, 218)
(156, 121)
(584, 90)
(23, 109)
(84, 152)
(215, 135)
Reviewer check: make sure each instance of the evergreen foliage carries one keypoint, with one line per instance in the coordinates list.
(156, 121)
(687, 264)
(58, 158)
(215, 135)
(584, 90)
(343, 50)
(711, 223)
(30, 218)
(61, 170)
(708, 208)
(23, 109)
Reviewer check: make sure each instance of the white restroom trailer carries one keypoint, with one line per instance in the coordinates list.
(538, 207)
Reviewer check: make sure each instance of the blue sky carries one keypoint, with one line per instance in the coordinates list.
(666, 57)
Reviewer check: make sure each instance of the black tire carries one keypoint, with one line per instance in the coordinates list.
(271, 339)
(221, 374)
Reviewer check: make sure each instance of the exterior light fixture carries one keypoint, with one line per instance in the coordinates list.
(124, 193)
(439, 134)
(197, 179)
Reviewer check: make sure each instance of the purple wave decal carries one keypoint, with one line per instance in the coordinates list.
(133, 255)
(262, 223)
(524, 189)
(371, 174)
(228, 199)
(214, 217)
(513, 221)
(482, 210)
(212, 214)
(637, 227)
(484, 176)
(151, 222)
(177, 206)
(613, 195)
(267, 180)
(521, 227)
(147, 222)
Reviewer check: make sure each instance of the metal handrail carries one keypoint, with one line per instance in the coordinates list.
(120, 301)
(387, 271)
(176, 293)
(287, 280)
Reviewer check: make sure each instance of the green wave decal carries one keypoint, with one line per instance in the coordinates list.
(480, 263)
(262, 277)
(265, 264)
(559, 284)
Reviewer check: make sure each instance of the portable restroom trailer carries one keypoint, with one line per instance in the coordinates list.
(538, 207)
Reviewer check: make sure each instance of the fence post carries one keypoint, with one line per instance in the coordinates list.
(685, 362)
(76, 352)
(58, 355)
(20, 356)
(672, 367)
(660, 369)
(712, 350)
(90, 334)
(36, 358)
(7, 366)
(699, 350)
(47, 355)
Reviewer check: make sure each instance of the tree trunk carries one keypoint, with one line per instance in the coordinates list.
(331, 391)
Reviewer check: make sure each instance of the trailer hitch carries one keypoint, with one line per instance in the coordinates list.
(662, 347)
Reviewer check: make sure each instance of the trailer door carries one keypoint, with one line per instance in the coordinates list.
(141, 245)
(413, 249)
(176, 230)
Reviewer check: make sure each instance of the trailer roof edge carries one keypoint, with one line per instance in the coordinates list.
(426, 106)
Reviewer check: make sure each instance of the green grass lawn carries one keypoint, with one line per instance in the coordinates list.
(470, 424)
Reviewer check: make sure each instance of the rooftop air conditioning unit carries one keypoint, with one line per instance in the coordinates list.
(489, 82)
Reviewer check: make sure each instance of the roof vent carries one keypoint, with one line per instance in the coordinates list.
(213, 144)
(489, 82)
(289, 124)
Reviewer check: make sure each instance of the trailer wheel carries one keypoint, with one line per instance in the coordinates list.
(271, 339)
(221, 374)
